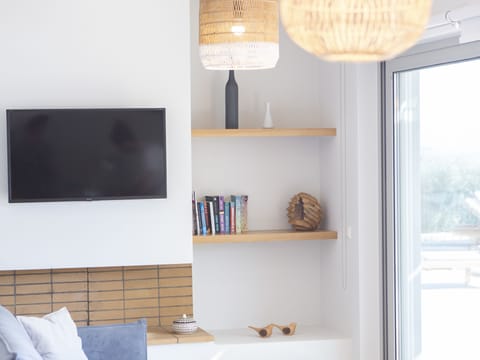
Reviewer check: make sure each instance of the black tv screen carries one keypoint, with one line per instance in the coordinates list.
(86, 154)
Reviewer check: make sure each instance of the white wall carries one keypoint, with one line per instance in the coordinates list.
(236, 285)
(341, 261)
(368, 153)
(92, 53)
(303, 91)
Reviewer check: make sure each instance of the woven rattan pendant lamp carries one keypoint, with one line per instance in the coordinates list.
(238, 34)
(355, 30)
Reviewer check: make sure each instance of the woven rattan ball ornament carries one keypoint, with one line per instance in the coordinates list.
(304, 212)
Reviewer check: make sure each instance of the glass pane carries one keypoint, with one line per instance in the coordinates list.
(437, 206)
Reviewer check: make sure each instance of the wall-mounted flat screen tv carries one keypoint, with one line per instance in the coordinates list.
(86, 154)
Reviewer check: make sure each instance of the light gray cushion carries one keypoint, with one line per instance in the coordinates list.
(54, 335)
(115, 342)
(14, 341)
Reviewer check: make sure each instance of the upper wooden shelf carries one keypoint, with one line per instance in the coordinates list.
(275, 132)
(265, 235)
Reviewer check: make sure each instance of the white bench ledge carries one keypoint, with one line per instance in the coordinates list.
(308, 343)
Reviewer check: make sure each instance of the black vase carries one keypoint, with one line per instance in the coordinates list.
(231, 102)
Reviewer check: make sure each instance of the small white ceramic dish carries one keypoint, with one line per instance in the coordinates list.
(184, 325)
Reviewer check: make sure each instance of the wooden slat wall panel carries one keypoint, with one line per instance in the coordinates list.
(110, 281)
(7, 290)
(96, 296)
(70, 289)
(33, 292)
(176, 288)
(142, 294)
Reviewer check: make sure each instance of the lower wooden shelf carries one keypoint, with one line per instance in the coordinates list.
(265, 235)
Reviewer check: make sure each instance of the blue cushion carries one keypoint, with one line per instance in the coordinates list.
(115, 342)
(14, 340)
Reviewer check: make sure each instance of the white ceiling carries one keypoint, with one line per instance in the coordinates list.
(442, 6)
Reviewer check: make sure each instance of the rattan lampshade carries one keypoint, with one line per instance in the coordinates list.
(355, 30)
(238, 34)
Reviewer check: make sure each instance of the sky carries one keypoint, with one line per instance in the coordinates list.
(450, 107)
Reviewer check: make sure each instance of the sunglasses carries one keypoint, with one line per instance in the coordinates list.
(266, 331)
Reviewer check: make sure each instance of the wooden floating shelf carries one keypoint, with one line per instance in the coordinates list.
(165, 336)
(265, 235)
(275, 132)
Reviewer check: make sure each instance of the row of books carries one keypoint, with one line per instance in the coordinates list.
(218, 214)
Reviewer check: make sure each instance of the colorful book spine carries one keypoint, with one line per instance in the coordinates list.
(216, 222)
(199, 217)
(227, 217)
(201, 210)
(244, 213)
(195, 220)
(232, 218)
(212, 217)
(221, 214)
(238, 213)
(207, 217)
(217, 215)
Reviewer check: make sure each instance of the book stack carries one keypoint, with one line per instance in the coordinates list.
(218, 214)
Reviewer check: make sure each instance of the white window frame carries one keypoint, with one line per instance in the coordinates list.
(388, 69)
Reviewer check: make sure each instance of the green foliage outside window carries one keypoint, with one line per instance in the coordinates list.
(446, 183)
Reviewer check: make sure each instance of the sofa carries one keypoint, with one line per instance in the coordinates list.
(115, 342)
(56, 337)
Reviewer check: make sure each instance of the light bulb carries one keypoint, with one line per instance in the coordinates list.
(238, 29)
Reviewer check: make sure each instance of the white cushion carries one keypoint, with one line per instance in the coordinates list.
(54, 336)
(14, 340)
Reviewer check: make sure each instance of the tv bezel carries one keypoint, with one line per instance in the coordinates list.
(86, 198)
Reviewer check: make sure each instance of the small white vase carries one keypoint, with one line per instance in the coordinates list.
(268, 122)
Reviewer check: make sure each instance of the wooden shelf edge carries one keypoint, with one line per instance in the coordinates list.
(165, 336)
(266, 235)
(275, 132)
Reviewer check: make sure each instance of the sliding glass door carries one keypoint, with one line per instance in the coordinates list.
(431, 179)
